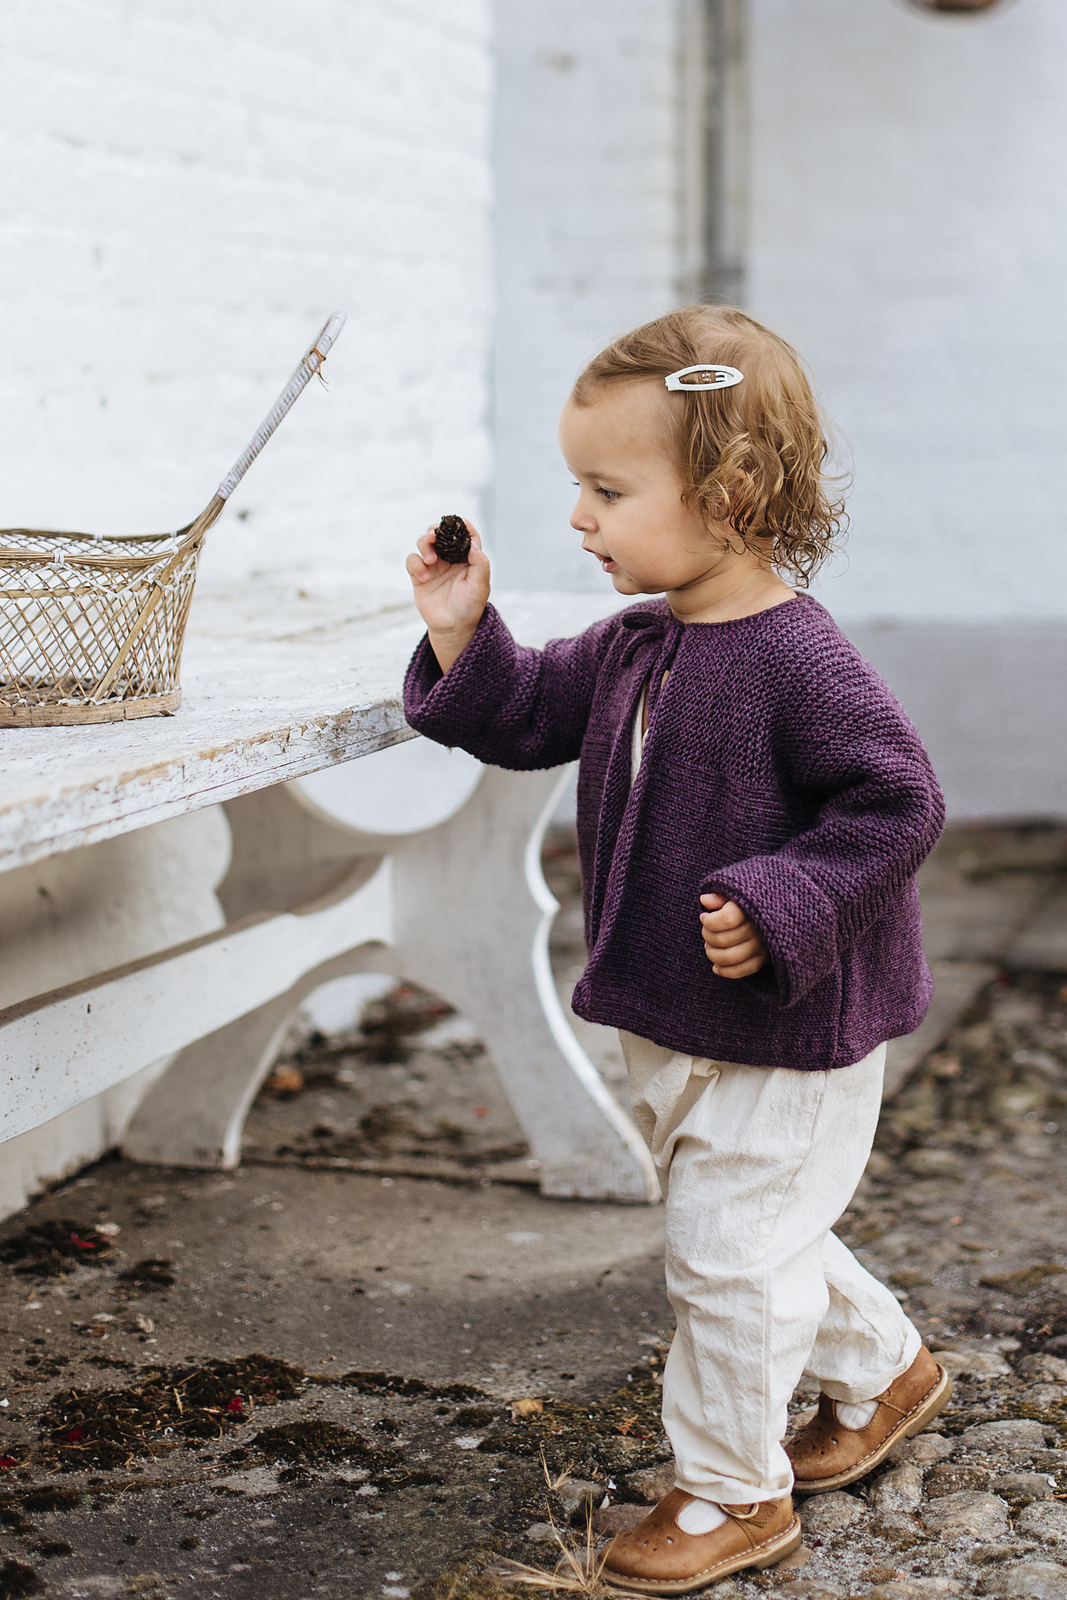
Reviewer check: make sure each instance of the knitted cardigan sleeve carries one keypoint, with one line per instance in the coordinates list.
(506, 704)
(878, 813)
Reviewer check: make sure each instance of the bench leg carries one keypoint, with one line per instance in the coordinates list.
(473, 914)
(472, 918)
(195, 1115)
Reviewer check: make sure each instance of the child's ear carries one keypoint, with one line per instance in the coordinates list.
(715, 499)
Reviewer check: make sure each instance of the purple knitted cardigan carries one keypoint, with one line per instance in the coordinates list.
(778, 770)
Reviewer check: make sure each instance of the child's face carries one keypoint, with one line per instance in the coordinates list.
(630, 511)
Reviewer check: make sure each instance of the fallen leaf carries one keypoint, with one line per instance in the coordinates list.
(285, 1081)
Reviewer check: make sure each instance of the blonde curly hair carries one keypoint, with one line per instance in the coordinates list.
(754, 455)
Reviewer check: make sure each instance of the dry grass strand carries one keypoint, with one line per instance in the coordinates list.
(578, 1571)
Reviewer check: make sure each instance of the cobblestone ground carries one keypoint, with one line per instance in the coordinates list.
(207, 1392)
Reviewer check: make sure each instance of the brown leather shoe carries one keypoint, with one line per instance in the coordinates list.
(656, 1557)
(827, 1455)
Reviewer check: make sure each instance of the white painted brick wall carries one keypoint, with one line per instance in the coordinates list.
(909, 214)
(186, 190)
(588, 239)
(908, 208)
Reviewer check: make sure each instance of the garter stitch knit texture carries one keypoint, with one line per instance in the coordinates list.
(778, 770)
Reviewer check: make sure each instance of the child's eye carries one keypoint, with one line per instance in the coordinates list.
(608, 494)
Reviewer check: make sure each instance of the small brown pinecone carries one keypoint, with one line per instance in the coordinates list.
(453, 542)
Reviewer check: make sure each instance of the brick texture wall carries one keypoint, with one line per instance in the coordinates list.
(187, 190)
(589, 238)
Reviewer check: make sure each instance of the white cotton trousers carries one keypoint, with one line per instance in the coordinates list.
(757, 1164)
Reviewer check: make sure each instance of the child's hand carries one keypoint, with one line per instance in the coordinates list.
(731, 941)
(450, 598)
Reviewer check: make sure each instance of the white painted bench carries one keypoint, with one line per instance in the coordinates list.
(172, 889)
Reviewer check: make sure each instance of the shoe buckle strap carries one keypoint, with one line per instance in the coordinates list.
(739, 1515)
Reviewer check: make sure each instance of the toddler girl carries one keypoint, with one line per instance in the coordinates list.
(752, 807)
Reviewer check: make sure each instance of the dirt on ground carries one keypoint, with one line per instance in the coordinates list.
(374, 1360)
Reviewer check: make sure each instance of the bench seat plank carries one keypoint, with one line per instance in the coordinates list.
(276, 685)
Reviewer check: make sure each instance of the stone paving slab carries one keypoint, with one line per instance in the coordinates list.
(957, 984)
(1042, 943)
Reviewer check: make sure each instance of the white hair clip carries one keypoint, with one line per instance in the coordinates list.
(705, 376)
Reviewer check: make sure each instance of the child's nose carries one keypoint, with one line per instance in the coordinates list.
(583, 521)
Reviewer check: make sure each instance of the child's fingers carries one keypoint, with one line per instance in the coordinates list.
(718, 943)
(714, 902)
(732, 947)
(744, 970)
(728, 916)
(417, 569)
(732, 943)
(426, 546)
(730, 955)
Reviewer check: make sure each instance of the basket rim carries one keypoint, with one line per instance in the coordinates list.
(95, 538)
(32, 558)
(176, 543)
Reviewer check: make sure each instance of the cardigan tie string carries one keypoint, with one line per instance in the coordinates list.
(642, 628)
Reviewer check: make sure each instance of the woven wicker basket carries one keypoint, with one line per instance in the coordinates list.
(91, 628)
